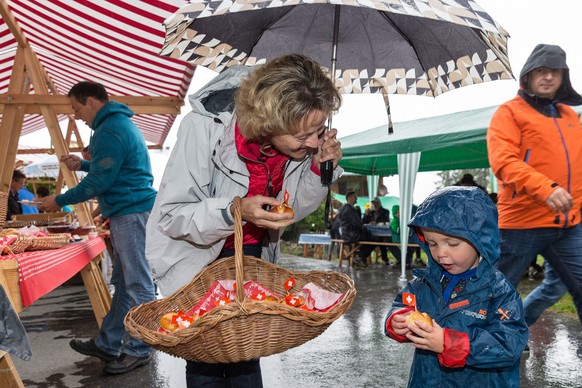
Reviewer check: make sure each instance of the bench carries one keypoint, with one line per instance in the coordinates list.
(349, 251)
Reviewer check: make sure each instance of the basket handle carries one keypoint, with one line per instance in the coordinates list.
(238, 250)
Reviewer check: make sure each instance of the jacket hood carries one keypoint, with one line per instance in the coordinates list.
(552, 57)
(112, 107)
(463, 212)
(395, 209)
(218, 95)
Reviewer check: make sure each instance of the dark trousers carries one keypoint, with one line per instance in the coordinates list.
(245, 374)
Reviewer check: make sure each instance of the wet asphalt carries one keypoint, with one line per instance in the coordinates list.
(352, 352)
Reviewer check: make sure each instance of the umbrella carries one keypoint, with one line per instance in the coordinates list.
(419, 47)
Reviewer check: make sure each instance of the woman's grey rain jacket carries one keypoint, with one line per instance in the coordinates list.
(191, 220)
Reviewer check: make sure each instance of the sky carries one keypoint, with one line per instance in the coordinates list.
(528, 22)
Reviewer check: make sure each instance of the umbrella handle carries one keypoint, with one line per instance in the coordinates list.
(326, 168)
(326, 171)
(327, 221)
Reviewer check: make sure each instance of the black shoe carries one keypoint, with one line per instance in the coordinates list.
(126, 363)
(526, 349)
(88, 348)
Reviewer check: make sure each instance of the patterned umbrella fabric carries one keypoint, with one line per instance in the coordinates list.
(418, 47)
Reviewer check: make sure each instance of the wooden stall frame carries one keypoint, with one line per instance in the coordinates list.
(28, 74)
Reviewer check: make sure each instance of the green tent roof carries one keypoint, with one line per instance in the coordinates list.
(448, 142)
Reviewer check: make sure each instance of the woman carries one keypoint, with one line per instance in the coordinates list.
(273, 142)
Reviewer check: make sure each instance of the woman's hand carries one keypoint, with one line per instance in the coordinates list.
(329, 148)
(253, 210)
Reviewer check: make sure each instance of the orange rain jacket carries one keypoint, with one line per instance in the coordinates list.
(532, 154)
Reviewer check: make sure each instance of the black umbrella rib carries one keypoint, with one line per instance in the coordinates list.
(280, 15)
(402, 34)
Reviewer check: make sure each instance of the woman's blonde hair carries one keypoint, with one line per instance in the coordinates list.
(279, 94)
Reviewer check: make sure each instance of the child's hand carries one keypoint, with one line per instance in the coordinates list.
(399, 324)
(426, 337)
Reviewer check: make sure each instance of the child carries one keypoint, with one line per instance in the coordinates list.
(478, 331)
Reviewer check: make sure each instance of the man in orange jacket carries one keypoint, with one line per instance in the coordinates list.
(534, 143)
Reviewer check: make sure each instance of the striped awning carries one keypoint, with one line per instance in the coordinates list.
(112, 42)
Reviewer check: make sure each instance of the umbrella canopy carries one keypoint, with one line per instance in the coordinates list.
(419, 47)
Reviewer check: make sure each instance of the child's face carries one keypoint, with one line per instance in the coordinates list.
(453, 254)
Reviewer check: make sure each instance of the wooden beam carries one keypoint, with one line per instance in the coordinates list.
(12, 24)
(73, 130)
(50, 117)
(51, 151)
(61, 104)
(12, 119)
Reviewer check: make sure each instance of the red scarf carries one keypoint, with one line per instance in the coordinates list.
(261, 167)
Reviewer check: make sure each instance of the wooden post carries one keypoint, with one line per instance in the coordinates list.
(9, 377)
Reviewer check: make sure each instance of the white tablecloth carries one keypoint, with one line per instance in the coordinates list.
(309, 238)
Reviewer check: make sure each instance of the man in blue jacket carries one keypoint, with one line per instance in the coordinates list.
(119, 175)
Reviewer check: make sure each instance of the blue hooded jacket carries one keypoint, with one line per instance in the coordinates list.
(119, 172)
(485, 332)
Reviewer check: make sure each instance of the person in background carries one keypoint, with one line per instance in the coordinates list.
(493, 197)
(368, 212)
(535, 151)
(478, 330)
(380, 216)
(395, 230)
(270, 140)
(25, 195)
(334, 234)
(358, 210)
(351, 224)
(119, 175)
(416, 252)
(352, 227)
(469, 180)
(42, 191)
(14, 206)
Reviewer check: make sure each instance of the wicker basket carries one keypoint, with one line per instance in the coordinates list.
(245, 329)
(21, 244)
(3, 208)
(53, 241)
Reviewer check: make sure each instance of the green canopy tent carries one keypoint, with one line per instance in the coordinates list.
(449, 142)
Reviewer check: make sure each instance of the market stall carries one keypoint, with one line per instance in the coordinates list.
(48, 47)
